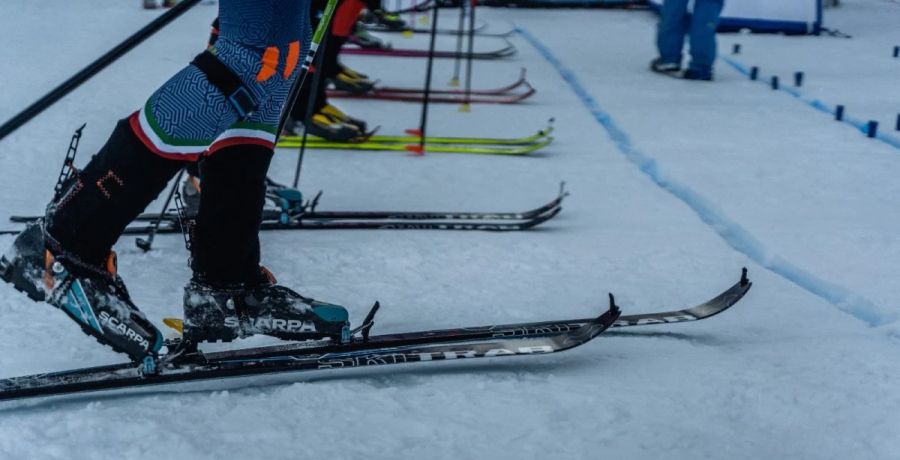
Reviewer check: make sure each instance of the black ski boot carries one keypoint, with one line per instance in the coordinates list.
(93, 296)
(65, 259)
(224, 313)
(230, 295)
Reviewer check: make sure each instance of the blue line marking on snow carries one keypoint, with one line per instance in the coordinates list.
(730, 231)
(861, 125)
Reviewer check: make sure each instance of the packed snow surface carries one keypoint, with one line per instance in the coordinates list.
(709, 177)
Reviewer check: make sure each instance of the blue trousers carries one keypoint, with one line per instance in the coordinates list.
(675, 22)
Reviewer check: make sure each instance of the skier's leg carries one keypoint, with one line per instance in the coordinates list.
(672, 27)
(63, 259)
(230, 294)
(225, 244)
(703, 37)
(343, 77)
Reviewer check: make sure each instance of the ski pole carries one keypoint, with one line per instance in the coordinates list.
(93, 68)
(468, 95)
(146, 244)
(454, 82)
(420, 149)
(310, 104)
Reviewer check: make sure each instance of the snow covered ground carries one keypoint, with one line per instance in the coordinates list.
(712, 177)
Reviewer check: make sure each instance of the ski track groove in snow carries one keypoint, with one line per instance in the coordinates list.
(731, 231)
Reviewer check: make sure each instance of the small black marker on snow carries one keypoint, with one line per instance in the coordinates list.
(897, 51)
(774, 82)
(754, 73)
(898, 122)
(736, 49)
(798, 79)
(872, 129)
(839, 113)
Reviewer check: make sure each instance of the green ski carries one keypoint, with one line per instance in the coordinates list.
(387, 139)
(429, 147)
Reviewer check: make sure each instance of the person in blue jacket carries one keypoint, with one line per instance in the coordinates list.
(676, 22)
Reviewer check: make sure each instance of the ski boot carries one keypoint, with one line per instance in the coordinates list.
(95, 297)
(224, 313)
(327, 128)
(336, 115)
(363, 39)
(352, 81)
(386, 20)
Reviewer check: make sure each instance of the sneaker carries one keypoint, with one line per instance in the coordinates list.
(94, 297)
(660, 66)
(224, 313)
(692, 74)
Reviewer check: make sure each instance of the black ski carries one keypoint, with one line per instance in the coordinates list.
(481, 342)
(312, 219)
(170, 224)
(361, 351)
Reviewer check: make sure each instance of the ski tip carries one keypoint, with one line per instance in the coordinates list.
(613, 308)
(175, 323)
(417, 149)
(562, 189)
(413, 132)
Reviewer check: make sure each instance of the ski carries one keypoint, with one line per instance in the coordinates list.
(294, 215)
(480, 342)
(504, 52)
(309, 212)
(170, 224)
(426, 5)
(389, 139)
(512, 150)
(480, 30)
(493, 91)
(414, 215)
(184, 363)
(439, 98)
